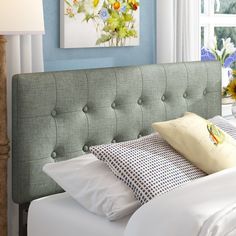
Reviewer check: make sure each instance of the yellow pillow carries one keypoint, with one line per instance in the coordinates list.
(199, 141)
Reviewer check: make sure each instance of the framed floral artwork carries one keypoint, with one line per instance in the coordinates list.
(99, 23)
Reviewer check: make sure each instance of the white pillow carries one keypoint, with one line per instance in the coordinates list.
(90, 182)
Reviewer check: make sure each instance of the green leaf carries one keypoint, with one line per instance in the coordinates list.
(104, 38)
(106, 28)
(111, 1)
(80, 8)
(88, 17)
(122, 32)
(115, 14)
(113, 23)
(128, 17)
(132, 33)
(68, 3)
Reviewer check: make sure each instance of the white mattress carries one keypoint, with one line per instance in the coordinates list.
(60, 215)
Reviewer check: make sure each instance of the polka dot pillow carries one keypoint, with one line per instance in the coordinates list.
(149, 165)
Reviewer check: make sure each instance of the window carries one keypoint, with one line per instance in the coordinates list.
(218, 18)
(218, 38)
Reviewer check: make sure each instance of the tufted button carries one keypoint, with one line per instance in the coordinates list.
(113, 105)
(140, 136)
(163, 98)
(85, 148)
(140, 101)
(113, 141)
(53, 113)
(53, 154)
(85, 109)
(205, 92)
(185, 95)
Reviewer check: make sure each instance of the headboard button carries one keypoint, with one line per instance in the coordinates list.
(185, 95)
(53, 113)
(85, 148)
(113, 105)
(53, 155)
(163, 98)
(204, 92)
(85, 109)
(140, 101)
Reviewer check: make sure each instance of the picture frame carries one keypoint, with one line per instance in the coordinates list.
(99, 23)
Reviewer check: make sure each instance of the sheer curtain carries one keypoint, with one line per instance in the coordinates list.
(178, 30)
(24, 54)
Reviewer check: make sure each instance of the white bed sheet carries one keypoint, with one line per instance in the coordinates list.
(60, 215)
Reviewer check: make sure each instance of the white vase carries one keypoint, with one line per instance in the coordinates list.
(225, 76)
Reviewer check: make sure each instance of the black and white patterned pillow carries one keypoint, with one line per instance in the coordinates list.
(149, 165)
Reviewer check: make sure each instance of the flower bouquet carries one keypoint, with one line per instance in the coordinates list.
(226, 55)
(113, 19)
(230, 89)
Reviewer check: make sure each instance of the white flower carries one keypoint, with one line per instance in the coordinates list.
(228, 46)
(93, 6)
(220, 52)
(212, 44)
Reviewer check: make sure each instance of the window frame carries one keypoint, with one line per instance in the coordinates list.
(209, 20)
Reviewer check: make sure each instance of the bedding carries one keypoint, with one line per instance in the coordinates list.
(91, 183)
(150, 166)
(201, 142)
(221, 223)
(204, 207)
(61, 215)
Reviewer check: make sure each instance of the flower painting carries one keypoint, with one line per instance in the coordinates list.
(99, 23)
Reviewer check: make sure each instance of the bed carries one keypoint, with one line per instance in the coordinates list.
(56, 205)
(59, 115)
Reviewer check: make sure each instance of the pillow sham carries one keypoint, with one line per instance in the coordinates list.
(149, 166)
(91, 183)
(200, 141)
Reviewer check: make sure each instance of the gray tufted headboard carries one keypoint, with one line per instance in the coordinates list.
(58, 115)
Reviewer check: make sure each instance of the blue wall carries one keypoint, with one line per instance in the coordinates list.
(64, 59)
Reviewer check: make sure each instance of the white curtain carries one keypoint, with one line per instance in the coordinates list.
(24, 55)
(178, 30)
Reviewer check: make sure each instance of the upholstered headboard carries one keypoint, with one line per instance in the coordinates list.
(58, 115)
